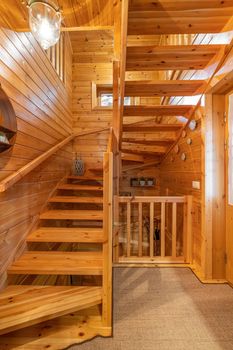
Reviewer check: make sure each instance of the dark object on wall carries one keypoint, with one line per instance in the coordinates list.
(8, 124)
(142, 182)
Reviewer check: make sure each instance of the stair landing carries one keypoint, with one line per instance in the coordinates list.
(22, 306)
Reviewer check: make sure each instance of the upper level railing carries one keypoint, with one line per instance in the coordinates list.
(157, 229)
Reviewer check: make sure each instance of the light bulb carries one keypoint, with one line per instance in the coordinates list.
(45, 23)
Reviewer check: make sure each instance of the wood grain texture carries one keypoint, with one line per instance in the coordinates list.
(41, 103)
(23, 306)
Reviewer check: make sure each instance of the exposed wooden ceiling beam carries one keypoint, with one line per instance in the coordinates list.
(157, 111)
(150, 88)
(86, 28)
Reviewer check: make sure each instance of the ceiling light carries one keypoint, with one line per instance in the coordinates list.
(44, 22)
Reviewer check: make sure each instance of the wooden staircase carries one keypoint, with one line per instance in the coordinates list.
(68, 242)
(151, 71)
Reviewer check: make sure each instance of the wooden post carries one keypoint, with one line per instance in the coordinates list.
(152, 229)
(107, 246)
(116, 231)
(174, 229)
(128, 228)
(185, 232)
(189, 230)
(140, 229)
(162, 229)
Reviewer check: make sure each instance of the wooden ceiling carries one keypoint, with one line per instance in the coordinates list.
(14, 14)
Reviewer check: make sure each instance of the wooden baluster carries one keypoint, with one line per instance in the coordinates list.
(174, 220)
(152, 229)
(128, 228)
(185, 232)
(162, 238)
(140, 229)
(117, 231)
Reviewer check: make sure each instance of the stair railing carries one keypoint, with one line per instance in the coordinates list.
(153, 229)
(19, 174)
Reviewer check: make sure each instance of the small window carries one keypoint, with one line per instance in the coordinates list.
(230, 151)
(106, 100)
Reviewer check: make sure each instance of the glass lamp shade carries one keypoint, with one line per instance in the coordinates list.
(45, 23)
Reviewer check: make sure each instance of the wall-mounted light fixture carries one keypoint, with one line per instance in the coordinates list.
(45, 22)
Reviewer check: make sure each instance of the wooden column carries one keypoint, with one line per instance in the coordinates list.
(214, 240)
(107, 246)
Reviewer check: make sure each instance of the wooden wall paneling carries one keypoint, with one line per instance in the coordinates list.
(229, 207)
(41, 103)
(90, 68)
(176, 178)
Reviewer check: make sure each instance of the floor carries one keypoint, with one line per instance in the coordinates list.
(167, 309)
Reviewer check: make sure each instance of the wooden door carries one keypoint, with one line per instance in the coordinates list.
(229, 192)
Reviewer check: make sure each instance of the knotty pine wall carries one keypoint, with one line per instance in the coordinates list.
(42, 105)
(92, 62)
(176, 178)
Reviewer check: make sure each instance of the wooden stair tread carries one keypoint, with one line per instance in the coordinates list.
(80, 187)
(21, 306)
(157, 111)
(73, 215)
(85, 177)
(150, 129)
(163, 87)
(180, 57)
(66, 234)
(75, 199)
(58, 263)
(172, 17)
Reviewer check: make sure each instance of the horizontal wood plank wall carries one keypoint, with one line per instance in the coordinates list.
(176, 178)
(92, 62)
(41, 103)
(140, 191)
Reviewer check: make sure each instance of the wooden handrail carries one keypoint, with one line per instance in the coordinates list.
(19, 174)
(110, 141)
(152, 199)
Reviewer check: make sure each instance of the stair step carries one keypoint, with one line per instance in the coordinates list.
(73, 199)
(65, 234)
(80, 187)
(58, 263)
(22, 306)
(72, 215)
(157, 111)
(151, 129)
(180, 57)
(177, 17)
(149, 88)
(85, 177)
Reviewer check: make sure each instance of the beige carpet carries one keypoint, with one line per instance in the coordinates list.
(167, 309)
